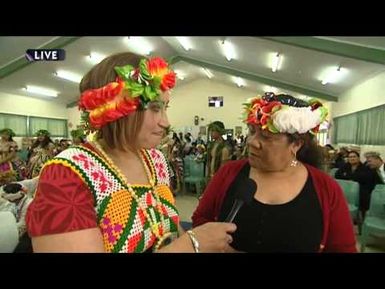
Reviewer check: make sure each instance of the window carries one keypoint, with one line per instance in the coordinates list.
(18, 123)
(27, 126)
(361, 128)
(56, 127)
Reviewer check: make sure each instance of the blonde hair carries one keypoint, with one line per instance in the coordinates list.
(122, 133)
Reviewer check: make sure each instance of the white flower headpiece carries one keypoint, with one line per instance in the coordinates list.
(285, 114)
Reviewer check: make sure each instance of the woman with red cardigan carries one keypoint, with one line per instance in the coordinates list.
(295, 207)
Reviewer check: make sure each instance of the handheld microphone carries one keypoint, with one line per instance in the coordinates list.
(245, 191)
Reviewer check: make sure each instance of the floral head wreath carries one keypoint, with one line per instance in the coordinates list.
(78, 133)
(43, 132)
(7, 131)
(132, 90)
(284, 113)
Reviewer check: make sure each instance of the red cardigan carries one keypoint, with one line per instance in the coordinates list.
(338, 234)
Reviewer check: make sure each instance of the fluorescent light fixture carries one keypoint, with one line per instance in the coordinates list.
(68, 75)
(41, 91)
(180, 74)
(239, 81)
(95, 57)
(276, 62)
(139, 45)
(185, 42)
(228, 49)
(333, 75)
(208, 73)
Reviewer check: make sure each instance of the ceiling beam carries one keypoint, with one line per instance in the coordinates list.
(343, 49)
(257, 78)
(21, 62)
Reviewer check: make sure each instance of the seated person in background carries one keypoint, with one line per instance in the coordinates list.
(341, 158)
(5, 205)
(296, 207)
(16, 193)
(356, 171)
(376, 164)
(200, 155)
(29, 186)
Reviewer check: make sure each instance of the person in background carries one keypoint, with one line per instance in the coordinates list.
(295, 207)
(17, 194)
(8, 150)
(113, 191)
(41, 151)
(217, 151)
(376, 164)
(341, 158)
(356, 171)
(78, 136)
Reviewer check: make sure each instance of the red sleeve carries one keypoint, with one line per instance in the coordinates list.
(338, 235)
(211, 202)
(62, 203)
(341, 237)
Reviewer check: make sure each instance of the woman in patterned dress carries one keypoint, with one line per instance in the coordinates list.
(112, 194)
(41, 151)
(8, 150)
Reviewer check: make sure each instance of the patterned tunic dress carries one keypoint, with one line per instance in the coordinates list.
(80, 189)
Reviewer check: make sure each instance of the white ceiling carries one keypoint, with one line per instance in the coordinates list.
(300, 67)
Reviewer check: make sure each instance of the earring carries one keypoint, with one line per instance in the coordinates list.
(294, 161)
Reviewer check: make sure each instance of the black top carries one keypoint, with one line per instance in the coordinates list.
(365, 177)
(295, 226)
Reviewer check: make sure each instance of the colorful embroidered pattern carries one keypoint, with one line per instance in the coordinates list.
(122, 222)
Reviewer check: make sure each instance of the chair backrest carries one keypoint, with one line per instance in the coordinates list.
(196, 169)
(9, 235)
(187, 160)
(23, 154)
(351, 191)
(377, 202)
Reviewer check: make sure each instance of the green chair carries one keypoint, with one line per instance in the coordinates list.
(351, 191)
(186, 164)
(374, 223)
(23, 155)
(194, 174)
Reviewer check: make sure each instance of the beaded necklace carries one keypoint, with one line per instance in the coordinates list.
(154, 225)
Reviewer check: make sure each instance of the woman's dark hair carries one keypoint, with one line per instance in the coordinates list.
(176, 138)
(12, 188)
(330, 147)
(354, 152)
(310, 153)
(43, 144)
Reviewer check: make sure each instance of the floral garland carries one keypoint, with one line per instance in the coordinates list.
(284, 114)
(43, 132)
(133, 89)
(8, 131)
